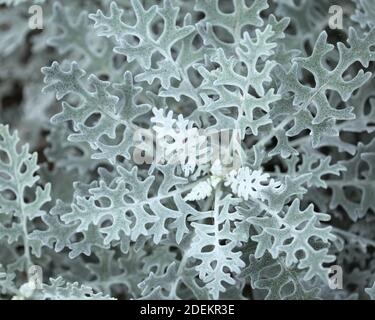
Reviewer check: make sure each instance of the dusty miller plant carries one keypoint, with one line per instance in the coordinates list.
(96, 187)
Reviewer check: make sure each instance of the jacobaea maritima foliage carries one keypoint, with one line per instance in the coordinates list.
(112, 115)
